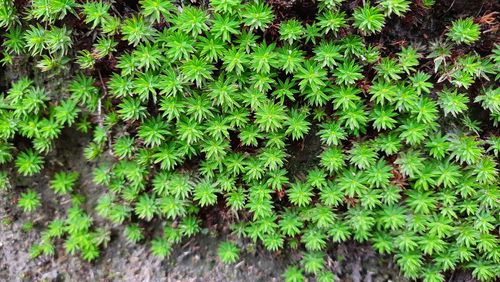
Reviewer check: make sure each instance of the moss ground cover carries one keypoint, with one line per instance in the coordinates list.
(200, 106)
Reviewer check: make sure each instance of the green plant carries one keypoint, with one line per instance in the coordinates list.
(124, 147)
(133, 233)
(428, 3)
(331, 21)
(135, 30)
(96, 13)
(368, 19)
(329, 4)
(29, 163)
(223, 27)
(27, 226)
(388, 69)
(205, 193)
(225, 6)
(348, 72)
(14, 41)
(362, 155)
(465, 149)
(34, 38)
(420, 82)
(313, 262)
(157, 9)
(105, 46)
(51, 10)
(29, 201)
(409, 58)
(300, 194)
(146, 207)
(398, 7)
(63, 182)
(4, 180)
(291, 31)
(452, 102)
(293, 274)
(8, 14)
(228, 252)
(464, 31)
(57, 40)
(257, 15)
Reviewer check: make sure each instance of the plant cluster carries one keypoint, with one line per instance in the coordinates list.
(201, 108)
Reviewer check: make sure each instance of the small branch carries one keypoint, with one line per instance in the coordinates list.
(451, 6)
(102, 83)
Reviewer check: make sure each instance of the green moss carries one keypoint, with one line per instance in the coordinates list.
(202, 110)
